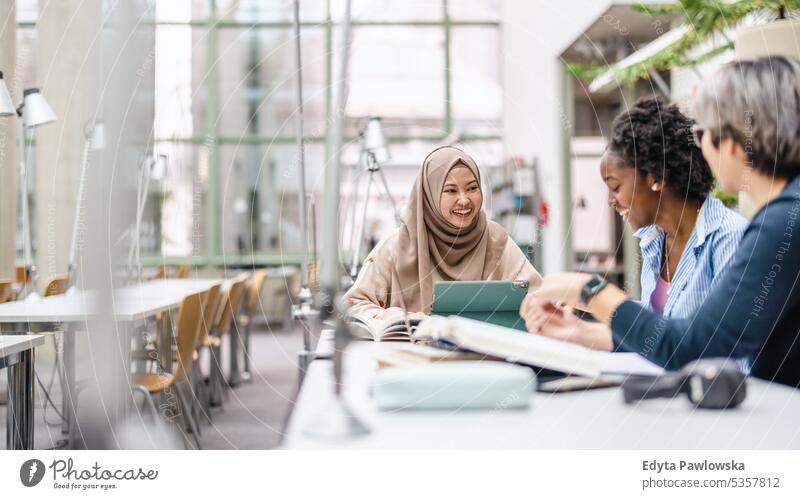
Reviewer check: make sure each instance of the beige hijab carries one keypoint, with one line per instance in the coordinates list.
(427, 241)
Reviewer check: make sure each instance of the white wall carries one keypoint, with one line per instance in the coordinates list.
(535, 32)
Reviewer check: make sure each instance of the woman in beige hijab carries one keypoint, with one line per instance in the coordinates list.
(444, 235)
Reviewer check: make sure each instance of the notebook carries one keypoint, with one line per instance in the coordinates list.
(495, 302)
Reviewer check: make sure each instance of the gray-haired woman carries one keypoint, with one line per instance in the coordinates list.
(748, 119)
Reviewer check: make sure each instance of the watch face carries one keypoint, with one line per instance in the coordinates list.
(591, 287)
(594, 281)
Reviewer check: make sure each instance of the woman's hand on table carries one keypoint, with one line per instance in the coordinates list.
(550, 320)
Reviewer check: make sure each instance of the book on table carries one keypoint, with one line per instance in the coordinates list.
(393, 325)
(412, 354)
(532, 349)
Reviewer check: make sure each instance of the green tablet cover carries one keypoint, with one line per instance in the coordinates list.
(495, 302)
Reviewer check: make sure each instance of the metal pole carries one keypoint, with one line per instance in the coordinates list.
(27, 249)
(303, 312)
(301, 162)
(360, 235)
(338, 420)
(389, 195)
(19, 417)
(329, 278)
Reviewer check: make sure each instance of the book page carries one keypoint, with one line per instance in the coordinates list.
(532, 349)
(626, 363)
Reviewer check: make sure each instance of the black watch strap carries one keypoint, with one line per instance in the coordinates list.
(592, 287)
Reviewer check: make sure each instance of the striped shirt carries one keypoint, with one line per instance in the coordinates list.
(708, 252)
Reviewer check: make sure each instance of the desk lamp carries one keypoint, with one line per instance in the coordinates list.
(34, 112)
(150, 168)
(374, 153)
(6, 104)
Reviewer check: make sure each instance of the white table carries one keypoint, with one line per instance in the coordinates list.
(130, 303)
(594, 419)
(65, 313)
(16, 354)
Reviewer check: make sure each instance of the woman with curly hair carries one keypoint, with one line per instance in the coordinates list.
(660, 184)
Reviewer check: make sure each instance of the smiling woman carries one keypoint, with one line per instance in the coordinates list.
(461, 197)
(444, 235)
(660, 184)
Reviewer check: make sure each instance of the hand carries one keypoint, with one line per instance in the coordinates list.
(548, 319)
(563, 287)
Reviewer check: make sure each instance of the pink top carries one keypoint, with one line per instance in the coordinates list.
(659, 297)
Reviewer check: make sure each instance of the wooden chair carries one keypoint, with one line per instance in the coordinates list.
(56, 285)
(183, 272)
(6, 290)
(22, 275)
(250, 310)
(206, 341)
(229, 306)
(190, 316)
(161, 273)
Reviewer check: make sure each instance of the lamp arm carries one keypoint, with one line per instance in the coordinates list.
(73, 248)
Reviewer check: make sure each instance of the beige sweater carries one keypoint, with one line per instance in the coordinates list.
(368, 296)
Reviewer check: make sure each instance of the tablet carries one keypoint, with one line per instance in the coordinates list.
(495, 302)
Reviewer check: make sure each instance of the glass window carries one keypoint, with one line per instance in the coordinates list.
(257, 81)
(392, 11)
(180, 82)
(311, 11)
(174, 217)
(477, 95)
(258, 196)
(473, 10)
(388, 78)
(257, 184)
(181, 11)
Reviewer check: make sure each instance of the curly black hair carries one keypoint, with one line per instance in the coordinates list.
(656, 138)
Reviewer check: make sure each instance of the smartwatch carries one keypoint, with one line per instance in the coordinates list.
(592, 287)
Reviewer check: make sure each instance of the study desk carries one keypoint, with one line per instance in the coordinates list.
(593, 419)
(17, 355)
(68, 312)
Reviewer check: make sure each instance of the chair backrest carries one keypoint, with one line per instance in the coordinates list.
(231, 303)
(190, 317)
(6, 290)
(161, 273)
(254, 293)
(209, 313)
(56, 285)
(22, 274)
(183, 271)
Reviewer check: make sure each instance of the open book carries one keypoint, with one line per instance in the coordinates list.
(532, 349)
(390, 327)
